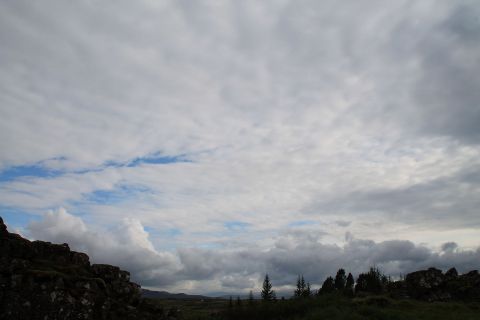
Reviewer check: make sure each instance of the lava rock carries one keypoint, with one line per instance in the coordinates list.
(41, 280)
(433, 285)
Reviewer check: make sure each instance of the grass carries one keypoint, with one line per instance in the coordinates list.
(196, 309)
(326, 307)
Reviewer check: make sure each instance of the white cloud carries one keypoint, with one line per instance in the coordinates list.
(288, 111)
(126, 245)
(59, 224)
(133, 234)
(241, 269)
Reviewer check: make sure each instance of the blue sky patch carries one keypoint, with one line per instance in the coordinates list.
(173, 232)
(105, 197)
(115, 196)
(169, 232)
(236, 225)
(39, 170)
(16, 218)
(302, 223)
(157, 159)
(36, 170)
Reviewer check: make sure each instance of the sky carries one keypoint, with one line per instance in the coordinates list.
(202, 144)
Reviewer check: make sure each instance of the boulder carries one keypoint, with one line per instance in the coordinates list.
(433, 285)
(427, 285)
(79, 259)
(424, 279)
(451, 274)
(467, 286)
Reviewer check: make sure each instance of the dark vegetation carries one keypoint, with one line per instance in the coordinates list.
(426, 294)
(338, 306)
(40, 280)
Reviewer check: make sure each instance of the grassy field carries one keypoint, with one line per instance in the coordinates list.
(326, 307)
(197, 309)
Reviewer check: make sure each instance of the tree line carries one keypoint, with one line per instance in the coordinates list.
(372, 281)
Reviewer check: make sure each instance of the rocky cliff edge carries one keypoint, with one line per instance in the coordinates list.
(41, 280)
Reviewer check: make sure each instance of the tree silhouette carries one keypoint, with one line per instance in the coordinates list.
(350, 282)
(300, 287)
(349, 285)
(307, 292)
(328, 286)
(303, 288)
(373, 281)
(340, 280)
(267, 292)
(298, 291)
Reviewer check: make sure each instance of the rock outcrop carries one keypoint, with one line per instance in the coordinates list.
(41, 280)
(434, 285)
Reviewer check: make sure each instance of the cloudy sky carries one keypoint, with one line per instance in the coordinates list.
(200, 144)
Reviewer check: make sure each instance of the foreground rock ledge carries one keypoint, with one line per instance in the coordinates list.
(434, 285)
(41, 280)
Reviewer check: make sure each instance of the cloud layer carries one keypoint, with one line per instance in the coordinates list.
(217, 126)
(239, 269)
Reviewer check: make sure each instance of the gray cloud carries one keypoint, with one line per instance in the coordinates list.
(424, 75)
(343, 223)
(231, 59)
(242, 269)
(361, 116)
(447, 202)
(446, 90)
(449, 246)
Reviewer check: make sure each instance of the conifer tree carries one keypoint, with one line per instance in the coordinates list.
(307, 292)
(328, 286)
(350, 282)
(267, 292)
(372, 281)
(303, 288)
(302, 285)
(349, 286)
(340, 280)
(299, 291)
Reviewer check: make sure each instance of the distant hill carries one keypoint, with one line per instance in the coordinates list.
(172, 296)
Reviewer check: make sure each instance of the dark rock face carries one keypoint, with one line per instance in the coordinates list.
(427, 285)
(451, 274)
(3, 228)
(433, 285)
(41, 280)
